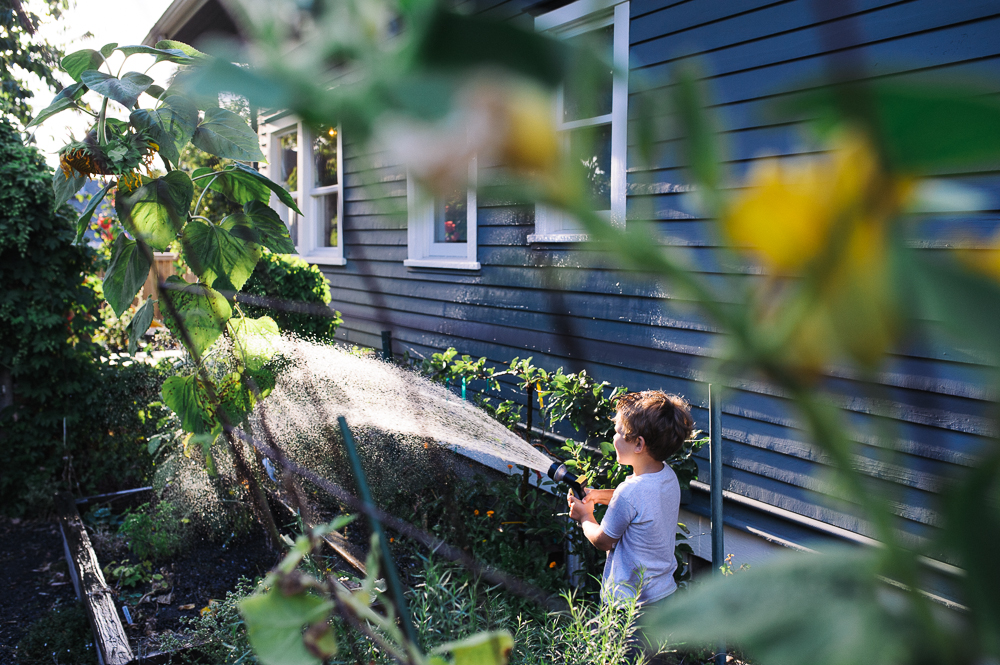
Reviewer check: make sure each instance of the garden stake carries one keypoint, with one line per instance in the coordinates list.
(715, 463)
(391, 574)
(463, 389)
(387, 345)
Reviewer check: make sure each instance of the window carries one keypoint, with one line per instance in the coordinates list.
(309, 165)
(441, 231)
(591, 118)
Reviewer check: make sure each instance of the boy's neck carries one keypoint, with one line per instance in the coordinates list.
(646, 464)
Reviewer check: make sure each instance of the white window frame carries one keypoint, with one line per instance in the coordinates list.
(422, 251)
(552, 225)
(307, 197)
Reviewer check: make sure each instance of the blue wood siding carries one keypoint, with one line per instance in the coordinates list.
(631, 332)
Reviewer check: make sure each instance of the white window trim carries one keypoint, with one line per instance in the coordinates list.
(307, 197)
(422, 251)
(552, 225)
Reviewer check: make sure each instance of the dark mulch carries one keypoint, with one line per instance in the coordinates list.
(33, 579)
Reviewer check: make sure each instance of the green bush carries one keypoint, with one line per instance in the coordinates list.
(46, 322)
(292, 280)
(155, 532)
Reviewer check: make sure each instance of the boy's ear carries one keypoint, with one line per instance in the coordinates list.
(640, 444)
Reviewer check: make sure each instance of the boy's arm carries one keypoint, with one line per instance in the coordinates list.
(583, 512)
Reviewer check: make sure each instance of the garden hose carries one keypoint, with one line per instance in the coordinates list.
(559, 473)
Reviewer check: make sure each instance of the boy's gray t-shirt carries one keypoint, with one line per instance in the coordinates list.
(642, 516)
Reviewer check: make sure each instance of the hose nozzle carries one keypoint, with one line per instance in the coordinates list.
(559, 473)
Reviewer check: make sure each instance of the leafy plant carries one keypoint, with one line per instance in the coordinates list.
(155, 532)
(60, 637)
(291, 281)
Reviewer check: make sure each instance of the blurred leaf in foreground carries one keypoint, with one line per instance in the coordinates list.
(828, 608)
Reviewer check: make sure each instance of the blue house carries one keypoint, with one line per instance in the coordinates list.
(514, 280)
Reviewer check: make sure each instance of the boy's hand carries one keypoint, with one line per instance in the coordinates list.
(598, 497)
(580, 509)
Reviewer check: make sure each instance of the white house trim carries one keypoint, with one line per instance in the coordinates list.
(308, 197)
(422, 251)
(554, 226)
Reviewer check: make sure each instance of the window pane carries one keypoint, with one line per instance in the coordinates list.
(289, 145)
(325, 157)
(587, 94)
(451, 217)
(328, 221)
(592, 146)
(293, 226)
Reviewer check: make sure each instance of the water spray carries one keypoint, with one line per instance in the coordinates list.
(559, 473)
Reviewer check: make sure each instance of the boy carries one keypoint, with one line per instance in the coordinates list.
(640, 526)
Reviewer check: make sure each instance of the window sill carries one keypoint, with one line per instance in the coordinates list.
(324, 260)
(442, 263)
(557, 237)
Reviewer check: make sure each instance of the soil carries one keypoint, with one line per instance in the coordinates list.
(33, 579)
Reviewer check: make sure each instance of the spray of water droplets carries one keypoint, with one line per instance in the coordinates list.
(377, 396)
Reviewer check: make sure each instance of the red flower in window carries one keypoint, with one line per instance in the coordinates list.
(449, 226)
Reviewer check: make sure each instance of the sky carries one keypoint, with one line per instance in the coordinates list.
(121, 21)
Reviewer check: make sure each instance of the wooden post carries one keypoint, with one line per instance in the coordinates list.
(88, 580)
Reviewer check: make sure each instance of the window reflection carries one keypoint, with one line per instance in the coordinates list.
(592, 146)
(289, 160)
(587, 93)
(325, 157)
(451, 217)
(328, 218)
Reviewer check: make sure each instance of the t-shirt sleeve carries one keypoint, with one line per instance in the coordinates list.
(619, 515)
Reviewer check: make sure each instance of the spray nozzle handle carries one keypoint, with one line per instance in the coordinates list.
(561, 474)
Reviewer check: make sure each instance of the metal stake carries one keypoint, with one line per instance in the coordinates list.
(387, 345)
(715, 464)
(392, 581)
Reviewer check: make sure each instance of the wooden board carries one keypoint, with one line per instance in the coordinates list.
(88, 580)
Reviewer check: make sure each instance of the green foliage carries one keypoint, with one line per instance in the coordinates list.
(291, 280)
(127, 574)
(26, 54)
(61, 637)
(155, 532)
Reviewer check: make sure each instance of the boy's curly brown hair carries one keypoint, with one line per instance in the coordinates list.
(663, 421)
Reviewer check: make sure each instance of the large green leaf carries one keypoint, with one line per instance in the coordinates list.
(219, 258)
(255, 341)
(125, 275)
(823, 608)
(226, 134)
(84, 221)
(922, 126)
(66, 99)
(454, 40)
(237, 185)
(64, 187)
(108, 49)
(173, 45)
(188, 397)
(157, 211)
(139, 324)
(953, 295)
(124, 90)
(78, 62)
(236, 400)
(203, 310)
(170, 54)
(270, 231)
(274, 625)
(491, 648)
(171, 125)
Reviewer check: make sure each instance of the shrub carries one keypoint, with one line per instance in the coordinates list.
(46, 322)
(155, 532)
(289, 278)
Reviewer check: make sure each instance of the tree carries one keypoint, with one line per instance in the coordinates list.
(23, 53)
